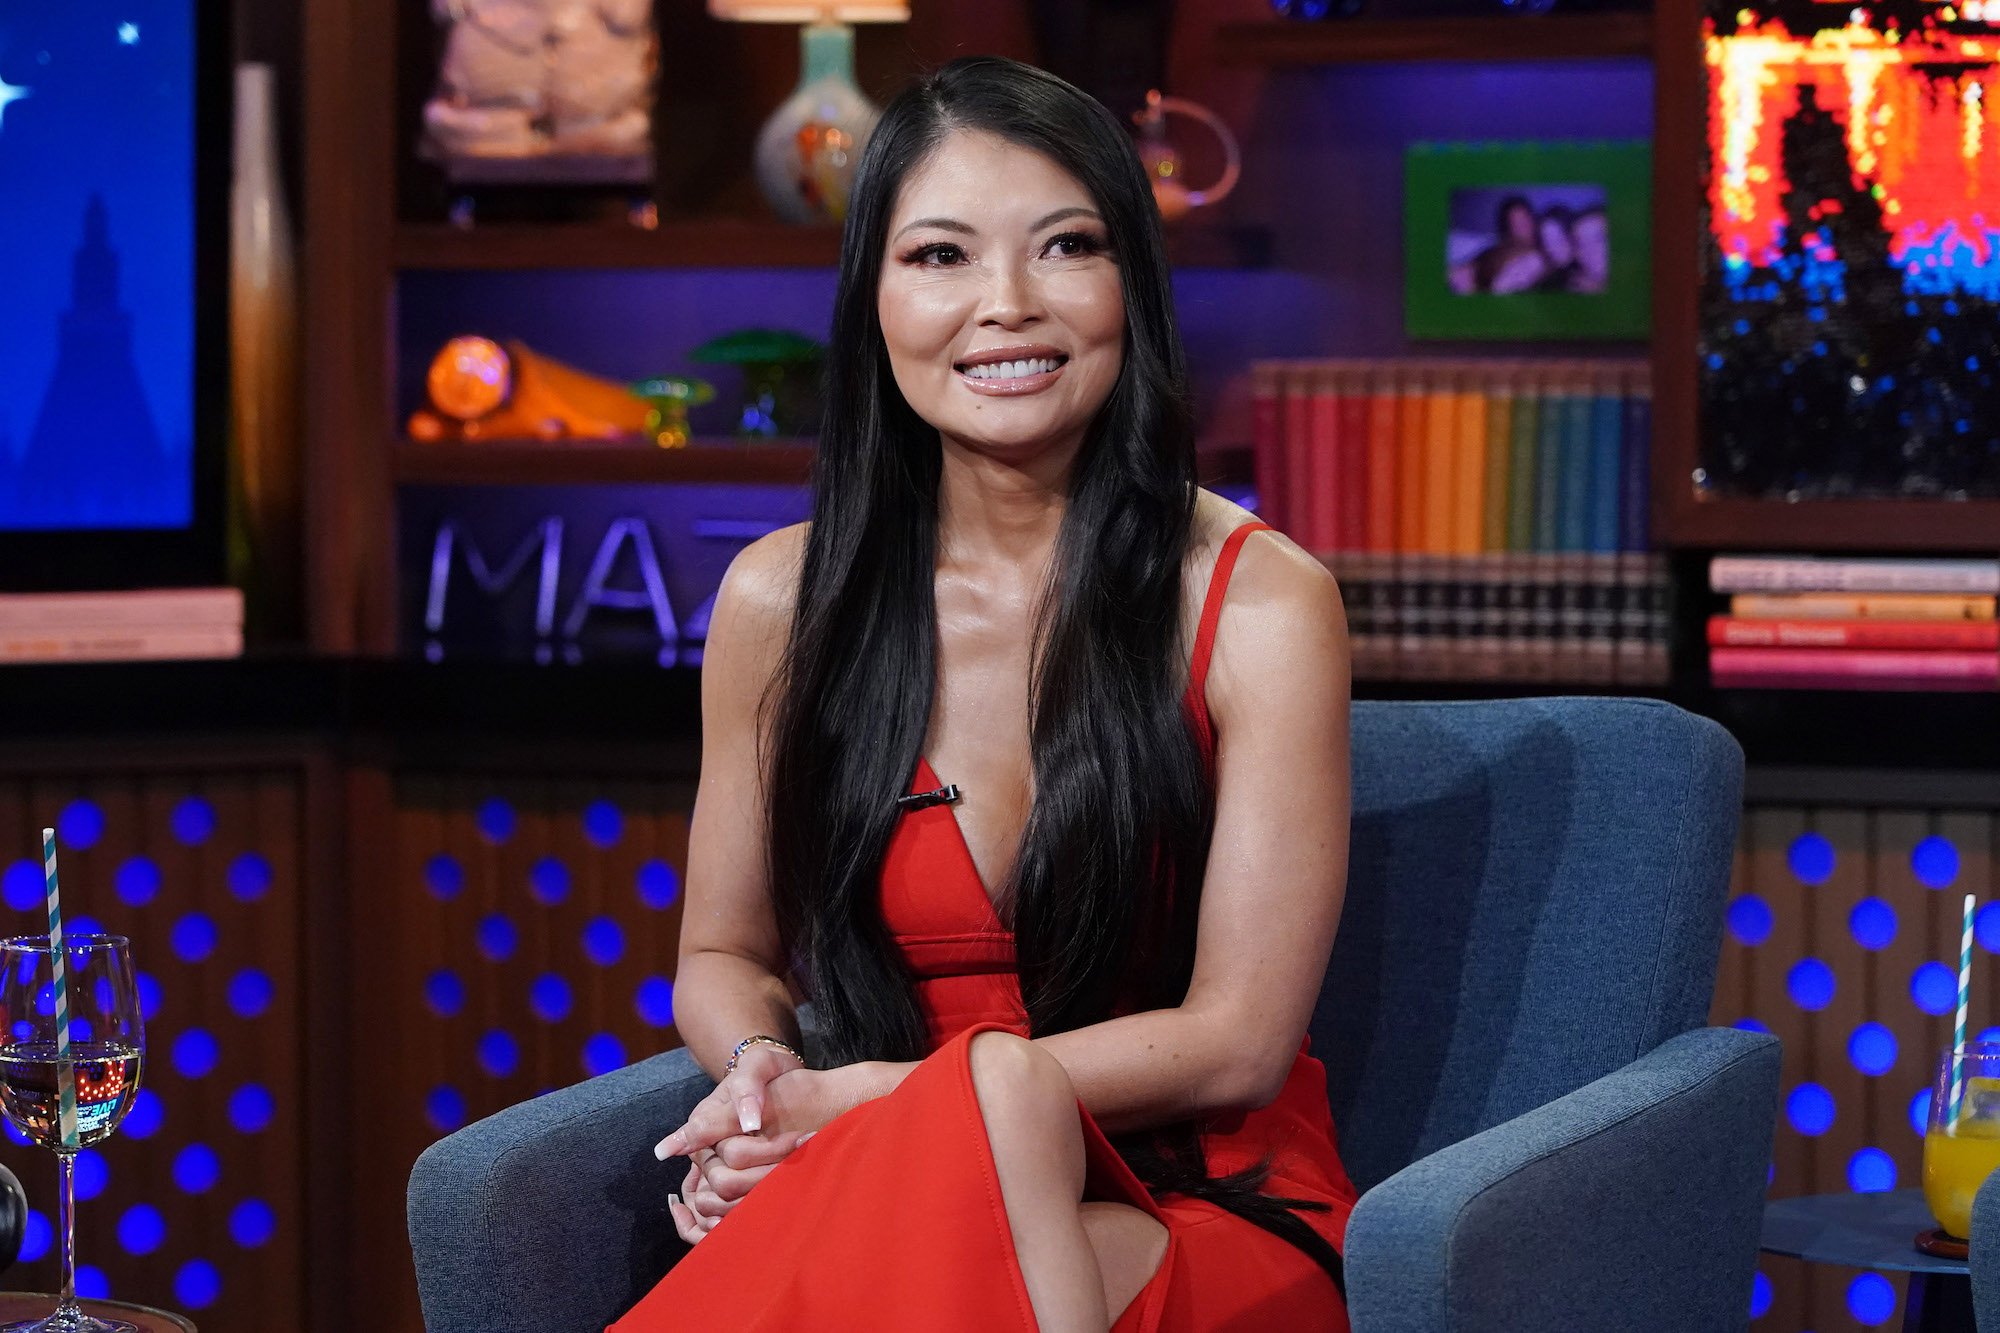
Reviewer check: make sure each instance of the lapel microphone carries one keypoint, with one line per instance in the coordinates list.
(920, 800)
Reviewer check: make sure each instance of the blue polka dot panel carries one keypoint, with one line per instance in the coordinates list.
(539, 925)
(197, 1202)
(1841, 937)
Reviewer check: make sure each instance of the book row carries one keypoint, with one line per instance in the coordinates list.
(1578, 617)
(1454, 457)
(146, 623)
(1887, 623)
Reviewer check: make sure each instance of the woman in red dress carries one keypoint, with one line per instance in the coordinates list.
(1026, 759)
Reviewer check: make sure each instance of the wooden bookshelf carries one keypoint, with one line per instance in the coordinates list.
(1278, 44)
(599, 463)
(722, 243)
(616, 463)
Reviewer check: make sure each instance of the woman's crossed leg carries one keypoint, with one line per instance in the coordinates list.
(1083, 1262)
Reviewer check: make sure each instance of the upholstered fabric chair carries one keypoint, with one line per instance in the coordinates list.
(1546, 1134)
(1984, 1259)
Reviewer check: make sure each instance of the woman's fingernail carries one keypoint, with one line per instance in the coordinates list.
(808, 1134)
(750, 1115)
(666, 1147)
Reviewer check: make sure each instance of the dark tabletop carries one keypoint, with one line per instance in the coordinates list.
(1855, 1231)
(15, 1305)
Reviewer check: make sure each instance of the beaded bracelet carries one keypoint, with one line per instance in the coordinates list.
(759, 1039)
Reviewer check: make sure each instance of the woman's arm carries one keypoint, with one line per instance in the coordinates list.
(730, 979)
(1278, 691)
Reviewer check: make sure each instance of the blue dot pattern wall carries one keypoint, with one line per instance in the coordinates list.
(195, 1202)
(536, 932)
(1842, 938)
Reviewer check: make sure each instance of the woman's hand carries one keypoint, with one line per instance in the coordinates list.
(718, 1178)
(725, 1162)
(740, 1095)
(795, 1102)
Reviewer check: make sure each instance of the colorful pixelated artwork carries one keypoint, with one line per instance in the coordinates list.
(1850, 303)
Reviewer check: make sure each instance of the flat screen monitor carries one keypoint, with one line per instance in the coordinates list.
(113, 307)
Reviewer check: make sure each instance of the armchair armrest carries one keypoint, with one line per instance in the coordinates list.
(552, 1214)
(1637, 1197)
(1985, 1257)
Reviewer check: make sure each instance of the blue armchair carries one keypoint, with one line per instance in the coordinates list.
(1984, 1259)
(1545, 1134)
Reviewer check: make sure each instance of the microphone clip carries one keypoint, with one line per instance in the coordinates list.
(920, 800)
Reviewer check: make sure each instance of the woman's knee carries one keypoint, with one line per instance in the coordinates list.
(1013, 1074)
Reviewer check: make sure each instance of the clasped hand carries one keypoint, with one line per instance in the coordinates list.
(756, 1117)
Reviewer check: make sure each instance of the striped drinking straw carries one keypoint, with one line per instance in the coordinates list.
(1957, 1090)
(65, 1074)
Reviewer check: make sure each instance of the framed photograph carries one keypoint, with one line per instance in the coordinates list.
(1528, 240)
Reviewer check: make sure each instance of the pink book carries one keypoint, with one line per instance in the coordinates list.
(1854, 669)
(1805, 573)
(189, 608)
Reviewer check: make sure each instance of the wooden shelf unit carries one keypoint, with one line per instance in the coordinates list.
(594, 462)
(615, 463)
(722, 242)
(1279, 44)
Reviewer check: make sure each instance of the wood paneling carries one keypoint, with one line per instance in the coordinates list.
(1813, 919)
(244, 877)
(447, 868)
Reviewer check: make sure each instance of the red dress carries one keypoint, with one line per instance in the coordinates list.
(891, 1217)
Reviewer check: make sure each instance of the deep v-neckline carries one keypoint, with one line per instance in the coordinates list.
(1195, 700)
(928, 780)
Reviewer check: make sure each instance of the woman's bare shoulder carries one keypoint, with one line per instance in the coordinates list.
(754, 604)
(1282, 601)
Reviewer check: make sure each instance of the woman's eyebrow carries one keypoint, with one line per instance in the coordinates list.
(966, 229)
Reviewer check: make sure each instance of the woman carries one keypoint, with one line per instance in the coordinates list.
(1514, 261)
(1115, 919)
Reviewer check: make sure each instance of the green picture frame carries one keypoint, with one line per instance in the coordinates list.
(1592, 196)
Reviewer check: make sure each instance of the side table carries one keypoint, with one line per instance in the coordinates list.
(18, 1305)
(1876, 1231)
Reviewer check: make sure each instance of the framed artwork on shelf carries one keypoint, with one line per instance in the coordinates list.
(1528, 240)
(1825, 360)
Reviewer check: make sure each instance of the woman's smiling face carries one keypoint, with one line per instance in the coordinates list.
(994, 250)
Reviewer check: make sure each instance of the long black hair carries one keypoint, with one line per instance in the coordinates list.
(1106, 886)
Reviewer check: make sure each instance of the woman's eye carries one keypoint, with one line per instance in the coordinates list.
(1082, 242)
(925, 255)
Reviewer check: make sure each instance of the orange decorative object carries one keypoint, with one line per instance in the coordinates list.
(483, 390)
(469, 377)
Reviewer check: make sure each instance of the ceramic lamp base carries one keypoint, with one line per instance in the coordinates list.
(809, 148)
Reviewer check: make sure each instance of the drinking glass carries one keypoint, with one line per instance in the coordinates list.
(107, 1045)
(1962, 1143)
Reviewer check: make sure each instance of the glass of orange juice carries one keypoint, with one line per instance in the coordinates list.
(1962, 1143)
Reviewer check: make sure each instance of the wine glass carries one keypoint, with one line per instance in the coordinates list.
(107, 1044)
(1962, 1141)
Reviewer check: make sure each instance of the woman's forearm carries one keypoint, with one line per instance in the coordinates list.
(1160, 1066)
(721, 998)
(1134, 1072)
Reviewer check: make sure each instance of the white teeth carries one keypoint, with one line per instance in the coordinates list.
(1010, 370)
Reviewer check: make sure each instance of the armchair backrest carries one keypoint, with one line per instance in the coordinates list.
(1534, 899)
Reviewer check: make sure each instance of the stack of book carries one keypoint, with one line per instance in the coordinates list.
(1487, 520)
(148, 623)
(1806, 622)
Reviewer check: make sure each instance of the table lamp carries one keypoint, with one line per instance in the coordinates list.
(808, 149)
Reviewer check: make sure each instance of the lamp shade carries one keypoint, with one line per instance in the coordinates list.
(807, 11)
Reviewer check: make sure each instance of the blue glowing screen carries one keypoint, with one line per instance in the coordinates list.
(97, 250)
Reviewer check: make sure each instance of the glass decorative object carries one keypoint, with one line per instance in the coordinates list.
(808, 149)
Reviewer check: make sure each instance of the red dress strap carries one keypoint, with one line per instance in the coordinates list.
(1204, 638)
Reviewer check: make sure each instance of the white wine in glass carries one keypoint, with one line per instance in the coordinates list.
(107, 1051)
